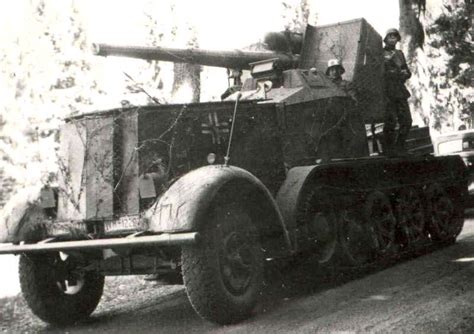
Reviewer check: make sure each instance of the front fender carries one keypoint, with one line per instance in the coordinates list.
(288, 197)
(22, 216)
(183, 207)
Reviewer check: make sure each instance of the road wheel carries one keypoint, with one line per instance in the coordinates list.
(381, 223)
(319, 224)
(56, 295)
(445, 218)
(353, 238)
(410, 217)
(223, 275)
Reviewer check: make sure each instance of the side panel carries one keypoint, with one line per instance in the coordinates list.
(71, 176)
(126, 198)
(99, 170)
(182, 136)
(323, 129)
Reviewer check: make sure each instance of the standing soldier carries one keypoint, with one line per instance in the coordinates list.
(396, 94)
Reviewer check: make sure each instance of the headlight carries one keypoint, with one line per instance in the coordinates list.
(211, 158)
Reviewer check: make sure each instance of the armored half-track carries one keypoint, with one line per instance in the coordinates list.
(204, 193)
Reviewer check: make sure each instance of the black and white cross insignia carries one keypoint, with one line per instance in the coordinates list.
(215, 128)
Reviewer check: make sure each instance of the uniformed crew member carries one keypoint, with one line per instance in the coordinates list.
(334, 71)
(396, 94)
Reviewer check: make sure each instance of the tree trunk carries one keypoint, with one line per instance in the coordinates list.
(410, 27)
(412, 32)
(186, 77)
(186, 83)
(436, 98)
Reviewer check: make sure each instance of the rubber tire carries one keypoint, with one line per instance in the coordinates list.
(47, 300)
(203, 278)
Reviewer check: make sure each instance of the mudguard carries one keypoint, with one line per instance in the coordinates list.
(288, 197)
(183, 207)
(22, 216)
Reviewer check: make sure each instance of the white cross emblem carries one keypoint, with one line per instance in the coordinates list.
(215, 128)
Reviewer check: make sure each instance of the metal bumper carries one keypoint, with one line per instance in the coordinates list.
(165, 239)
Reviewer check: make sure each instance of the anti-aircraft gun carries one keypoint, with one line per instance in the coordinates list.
(206, 193)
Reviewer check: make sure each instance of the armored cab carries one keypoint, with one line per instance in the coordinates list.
(206, 193)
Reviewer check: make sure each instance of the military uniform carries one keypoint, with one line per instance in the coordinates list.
(396, 94)
(347, 87)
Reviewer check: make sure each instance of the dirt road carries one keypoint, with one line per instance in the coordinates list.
(433, 293)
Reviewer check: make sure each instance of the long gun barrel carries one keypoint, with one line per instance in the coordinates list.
(228, 59)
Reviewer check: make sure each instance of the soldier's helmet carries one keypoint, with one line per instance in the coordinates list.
(335, 62)
(394, 32)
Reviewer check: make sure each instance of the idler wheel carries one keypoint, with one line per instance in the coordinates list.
(381, 223)
(444, 216)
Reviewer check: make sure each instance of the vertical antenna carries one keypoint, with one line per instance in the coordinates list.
(227, 156)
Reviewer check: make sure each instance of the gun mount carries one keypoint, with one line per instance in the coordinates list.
(293, 62)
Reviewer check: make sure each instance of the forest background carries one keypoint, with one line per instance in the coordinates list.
(48, 71)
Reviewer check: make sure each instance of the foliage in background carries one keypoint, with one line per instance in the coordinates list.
(47, 73)
(451, 32)
(297, 14)
(43, 80)
(437, 40)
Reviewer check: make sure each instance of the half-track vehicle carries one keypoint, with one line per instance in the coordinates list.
(203, 194)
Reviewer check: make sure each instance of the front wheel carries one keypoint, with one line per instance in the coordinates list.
(56, 294)
(223, 275)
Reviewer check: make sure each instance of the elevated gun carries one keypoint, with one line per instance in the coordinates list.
(236, 59)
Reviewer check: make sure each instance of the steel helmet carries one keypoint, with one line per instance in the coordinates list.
(335, 62)
(392, 31)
